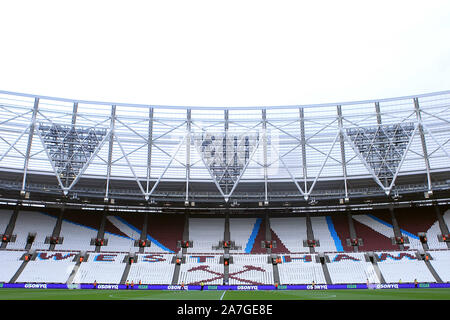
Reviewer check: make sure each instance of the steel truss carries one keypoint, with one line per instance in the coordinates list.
(233, 149)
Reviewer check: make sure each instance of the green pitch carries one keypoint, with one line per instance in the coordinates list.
(360, 294)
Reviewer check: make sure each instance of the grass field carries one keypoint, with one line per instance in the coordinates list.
(359, 294)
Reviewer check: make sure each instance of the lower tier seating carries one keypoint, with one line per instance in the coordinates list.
(101, 267)
(152, 269)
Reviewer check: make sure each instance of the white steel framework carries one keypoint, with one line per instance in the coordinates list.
(200, 153)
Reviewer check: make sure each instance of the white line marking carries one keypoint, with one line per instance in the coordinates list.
(222, 295)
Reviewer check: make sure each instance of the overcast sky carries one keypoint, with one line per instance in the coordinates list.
(225, 53)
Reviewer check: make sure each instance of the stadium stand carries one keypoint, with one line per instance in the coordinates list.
(433, 237)
(250, 269)
(300, 269)
(291, 232)
(261, 236)
(9, 264)
(341, 226)
(446, 217)
(5, 216)
(441, 264)
(323, 229)
(78, 230)
(403, 266)
(205, 234)
(121, 236)
(376, 235)
(270, 179)
(32, 222)
(412, 221)
(204, 263)
(202, 268)
(152, 269)
(351, 268)
(49, 267)
(101, 267)
(164, 231)
(76, 237)
(243, 232)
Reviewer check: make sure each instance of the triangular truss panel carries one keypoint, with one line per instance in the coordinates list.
(226, 155)
(382, 148)
(69, 148)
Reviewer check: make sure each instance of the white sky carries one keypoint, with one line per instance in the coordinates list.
(225, 53)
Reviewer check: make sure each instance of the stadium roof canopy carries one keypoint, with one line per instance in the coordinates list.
(62, 150)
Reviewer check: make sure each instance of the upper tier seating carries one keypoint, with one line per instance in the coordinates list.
(412, 221)
(76, 237)
(375, 234)
(5, 216)
(446, 217)
(432, 237)
(165, 230)
(206, 233)
(123, 242)
(322, 232)
(32, 222)
(241, 233)
(291, 231)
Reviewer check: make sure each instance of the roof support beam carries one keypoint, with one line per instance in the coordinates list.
(379, 122)
(341, 140)
(303, 144)
(74, 121)
(264, 139)
(30, 140)
(188, 153)
(422, 139)
(377, 110)
(225, 160)
(110, 149)
(149, 147)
